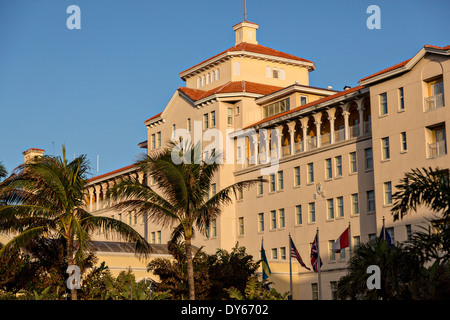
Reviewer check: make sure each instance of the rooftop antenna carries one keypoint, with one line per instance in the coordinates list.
(245, 10)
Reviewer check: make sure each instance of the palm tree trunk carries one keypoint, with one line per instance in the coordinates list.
(190, 269)
(73, 292)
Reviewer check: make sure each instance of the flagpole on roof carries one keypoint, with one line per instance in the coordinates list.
(290, 268)
(318, 267)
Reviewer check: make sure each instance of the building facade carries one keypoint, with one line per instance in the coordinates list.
(332, 158)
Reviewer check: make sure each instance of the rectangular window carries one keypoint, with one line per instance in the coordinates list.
(241, 226)
(385, 150)
(391, 234)
(408, 233)
(158, 236)
(340, 206)
(272, 182)
(213, 189)
(403, 145)
(261, 222)
(310, 172)
(273, 219)
(370, 201)
(387, 193)
(153, 141)
(303, 100)
(331, 253)
(213, 118)
(334, 287)
(296, 176)
(283, 253)
(435, 97)
(230, 116)
(401, 99)
(205, 121)
(338, 162)
(153, 237)
(353, 167)
(274, 253)
(383, 104)
(355, 204)
(356, 242)
(298, 214)
(328, 169)
(189, 124)
(314, 291)
(214, 228)
(282, 218)
(312, 212)
(330, 208)
(368, 158)
(275, 108)
(280, 180)
(159, 139)
(260, 186)
(240, 194)
(174, 127)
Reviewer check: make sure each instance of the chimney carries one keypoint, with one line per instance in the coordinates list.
(31, 154)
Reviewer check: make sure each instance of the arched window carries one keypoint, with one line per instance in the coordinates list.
(236, 68)
(275, 73)
(203, 81)
(268, 73)
(282, 74)
(213, 76)
(199, 82)
(217, 74)
(208, 78)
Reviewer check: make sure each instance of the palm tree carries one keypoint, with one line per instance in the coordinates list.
(3, 172)
(45, 198)
(181, 197)
(429, 187)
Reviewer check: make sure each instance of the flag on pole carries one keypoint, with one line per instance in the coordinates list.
(384, 235)
(295, 254)
(315, 258)
(341, 242)
(264, 263)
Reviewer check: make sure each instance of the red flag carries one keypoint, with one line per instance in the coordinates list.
(341, 242)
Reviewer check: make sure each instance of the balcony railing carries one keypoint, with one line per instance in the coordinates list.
(299, 146)
(354, 130)
(367, 127)
(311, 143)
(325, 139)
(339, 135)
(286, 151)
(437, 149)
(434, 102)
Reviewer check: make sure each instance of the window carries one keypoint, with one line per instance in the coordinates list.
(310, 172)
(153, 141)
(260, 186)
(158, 236)
(401, 99)
(408, 233)
(437, 136)
(340, 206)
(240, 194)
(214, 228)
(230, 116)
(372, 237)
(280, 180)
(217, 74)
(236, 68)
(403, 145)
(273, 219)
(275, 108)
(205, 121)
(282, 74)
(370, 201)
(261, 222)
(275, 73)
(174, 127)
(241, 226)
(282, 218)
(213, 118)
(208, 78)
(272, 182)
(199, 82)
(314, 291)
(383, 104)
(330, 250)
(298, 214)
(338, 162)
(303, 100)
(385, 151)
(296, 176)
(368, 158)
(213, 189)
(334, 287)
(328, 169)
(153, 237)
(283, 253)
(312, 212)
(274, 253)
(330, 209)
(391, 234)
(435, 97)
(159, 139)
(355, 204)
(353, 167)
(268, 72)
(387, 193)
(356, 242)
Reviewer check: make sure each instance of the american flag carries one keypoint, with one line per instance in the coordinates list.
(295, 254)
(314, 255)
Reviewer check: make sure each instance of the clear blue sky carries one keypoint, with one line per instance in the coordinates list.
(92, 89)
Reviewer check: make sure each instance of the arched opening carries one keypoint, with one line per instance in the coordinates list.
(339, 125)
(311, 134)
(367, 117)
(325, 129)
(298, 137)
(353, 120)
(285, 141)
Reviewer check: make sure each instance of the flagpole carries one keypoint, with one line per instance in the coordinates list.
(349, 243)
(290, 267)
(318, 266)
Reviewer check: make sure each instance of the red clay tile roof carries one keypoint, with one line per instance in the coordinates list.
(398, 65)
(337, 95)
(155, 116)
(436, 47)
(111, 173)
(255, 48)
(230, 87)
